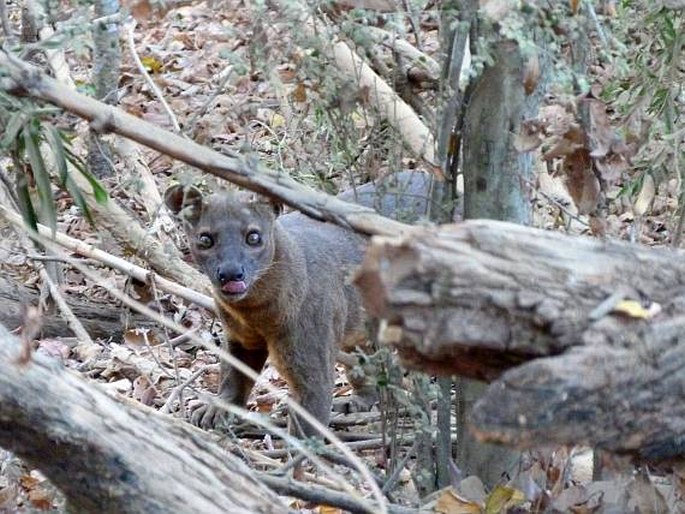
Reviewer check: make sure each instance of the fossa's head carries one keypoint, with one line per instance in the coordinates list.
(231, 238)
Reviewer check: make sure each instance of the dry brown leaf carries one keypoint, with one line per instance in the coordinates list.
(643, 496)
(287, 75)
(572, 140)
(646, 196)
(299, 94)
(472, 489)
(503, 498)
(581, 182)
(601, 135)
(531, 74)
(140, 338)
(529, 136)
(577, 499)
(29, 482)
(141, 10)
(54, 348)
(40, 498)
(575, 5)
(609, 8)
(144, 391)
(86, 351)
(611, 167)
(449, 502)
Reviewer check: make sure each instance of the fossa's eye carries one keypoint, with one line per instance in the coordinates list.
(253, 238)
(205, 241)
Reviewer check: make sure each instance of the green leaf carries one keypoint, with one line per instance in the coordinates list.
(25, 205)
(80, 201)
(31, 139)
(669, 34)
(99, 192)
(52, 44)
(12, 129)
(55, 142)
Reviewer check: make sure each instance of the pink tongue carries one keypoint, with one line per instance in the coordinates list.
(234, 287)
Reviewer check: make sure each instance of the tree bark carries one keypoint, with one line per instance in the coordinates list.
(575, 318)
(111, 457)
(496, 174)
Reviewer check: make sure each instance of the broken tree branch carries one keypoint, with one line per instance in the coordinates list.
(22, 78)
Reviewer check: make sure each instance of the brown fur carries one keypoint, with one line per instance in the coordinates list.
(298, 307)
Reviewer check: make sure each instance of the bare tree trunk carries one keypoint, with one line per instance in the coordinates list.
(110, 457)
(496, 174)
(496, 186)
(106, 60)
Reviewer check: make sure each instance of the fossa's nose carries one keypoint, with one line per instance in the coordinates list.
(230, 273)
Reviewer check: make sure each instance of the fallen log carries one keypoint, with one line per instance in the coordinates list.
(583, 338)
(102, 319)
(109, 457)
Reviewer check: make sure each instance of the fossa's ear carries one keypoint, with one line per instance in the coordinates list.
(184, 202)
(276, 206)
(266, 204)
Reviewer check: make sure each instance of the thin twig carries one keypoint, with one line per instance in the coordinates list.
(321, 495)
(598, 24)
(176, 392)
(183, 338)
(411, 16)
(129, 28)
(676, 57)
(7, 182)
(191, 124)
(72, 321)
(369, 444)
(557, 204)
(241, 170)
(391, 481)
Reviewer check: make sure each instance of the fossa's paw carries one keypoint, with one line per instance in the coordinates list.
(208, 415)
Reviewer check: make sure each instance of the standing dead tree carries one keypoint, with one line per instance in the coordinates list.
(583, 339)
